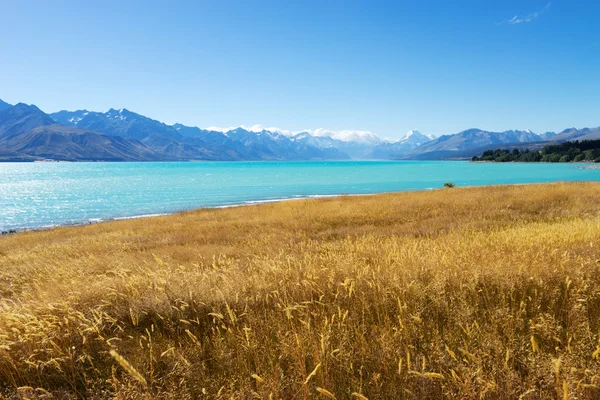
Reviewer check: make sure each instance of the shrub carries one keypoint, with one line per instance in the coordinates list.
(449, 185)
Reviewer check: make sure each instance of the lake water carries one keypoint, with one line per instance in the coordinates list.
(36, 195)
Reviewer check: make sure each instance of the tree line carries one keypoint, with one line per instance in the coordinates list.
(577, 151)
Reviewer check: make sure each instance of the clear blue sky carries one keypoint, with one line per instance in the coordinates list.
(387, 67)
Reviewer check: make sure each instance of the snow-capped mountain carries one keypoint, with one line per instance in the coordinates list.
(160, 137)
(362, 137)
(278, 145)
(191, 143)
(470, 142)
(28, 134)
(257, 142)
(352, 149)
(395, 149)
(415, 137)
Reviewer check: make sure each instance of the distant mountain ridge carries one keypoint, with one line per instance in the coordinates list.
(73, 144)
(191, 143)
(21, 118)
(576, 134)
(464, 143)
(160, 137)
(4, 106)
(27, 133)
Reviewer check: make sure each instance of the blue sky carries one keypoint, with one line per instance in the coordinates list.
(386, 67)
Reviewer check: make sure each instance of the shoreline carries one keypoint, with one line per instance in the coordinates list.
(229, 283)
(94, 221)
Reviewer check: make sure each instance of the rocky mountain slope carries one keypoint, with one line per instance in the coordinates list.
(469, 142)
(27, 133)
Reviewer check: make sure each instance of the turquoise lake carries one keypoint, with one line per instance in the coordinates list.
(38, 195)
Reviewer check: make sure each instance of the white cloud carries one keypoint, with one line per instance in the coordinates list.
(346, 135)
(260, 128)
(343, 135)
(251, 128)
(521, 18)
(217, 129)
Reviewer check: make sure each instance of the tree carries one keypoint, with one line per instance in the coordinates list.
(565, 158)
(505, 158)
(577, 151)
(554, 157)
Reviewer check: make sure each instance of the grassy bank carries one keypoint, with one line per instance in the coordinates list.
(489, 292)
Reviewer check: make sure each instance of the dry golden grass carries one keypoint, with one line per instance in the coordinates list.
(475, 293)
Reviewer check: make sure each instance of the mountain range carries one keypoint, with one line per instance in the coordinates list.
(29, 134)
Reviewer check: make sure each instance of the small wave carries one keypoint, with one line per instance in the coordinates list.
(320, 196)
(253, 202)
(141, 216)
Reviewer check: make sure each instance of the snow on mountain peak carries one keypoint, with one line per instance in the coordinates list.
(414, 136)
(259, 128)
(117, 114)
(75, 120)
(366, 137)
(252, 128)
(217, 129)
(347, 135)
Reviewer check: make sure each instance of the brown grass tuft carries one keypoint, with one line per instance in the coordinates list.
(487, 293)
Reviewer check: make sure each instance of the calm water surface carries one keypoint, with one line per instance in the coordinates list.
(36, 195)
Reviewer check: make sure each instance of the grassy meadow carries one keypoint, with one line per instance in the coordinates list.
(463, 293)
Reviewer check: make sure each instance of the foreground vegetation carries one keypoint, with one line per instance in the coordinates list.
(470, 293)
(584, 151)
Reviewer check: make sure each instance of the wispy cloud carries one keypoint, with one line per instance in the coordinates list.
(343, 135)
(251, 128)
(523, 18)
